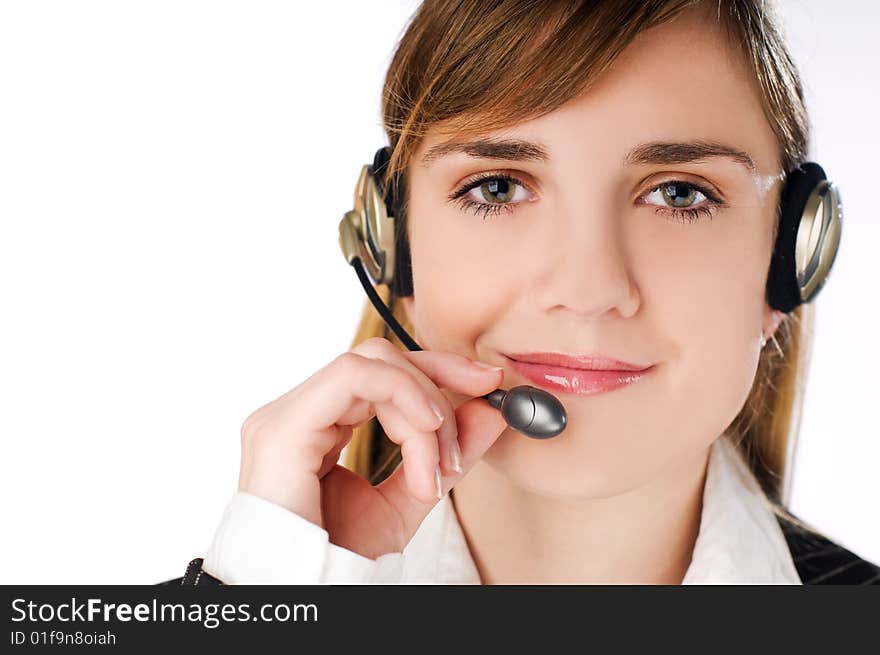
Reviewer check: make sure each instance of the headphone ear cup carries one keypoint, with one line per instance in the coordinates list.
(377, 170)
(807, 240)
(401, 282)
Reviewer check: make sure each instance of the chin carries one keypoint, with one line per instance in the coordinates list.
(567, 469)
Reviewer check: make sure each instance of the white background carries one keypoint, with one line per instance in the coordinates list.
(171, 179)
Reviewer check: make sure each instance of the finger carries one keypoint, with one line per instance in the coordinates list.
(445, 369)
(447, 433)
(325, 400)
(332, 458)
(461, 376)
(479, 426)
(450, 459)
(418, 449)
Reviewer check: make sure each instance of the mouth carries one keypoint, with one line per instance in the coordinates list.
(582, 375)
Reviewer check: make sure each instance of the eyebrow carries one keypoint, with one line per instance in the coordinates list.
(509, 149)
(655, 152)
(666, 152)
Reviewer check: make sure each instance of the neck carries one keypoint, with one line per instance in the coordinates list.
(643, 536)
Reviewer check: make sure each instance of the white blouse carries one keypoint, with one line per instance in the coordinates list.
(259, 542)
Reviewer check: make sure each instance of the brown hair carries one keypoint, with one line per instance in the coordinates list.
(438, 80)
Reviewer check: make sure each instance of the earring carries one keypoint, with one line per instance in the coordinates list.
(763, 340)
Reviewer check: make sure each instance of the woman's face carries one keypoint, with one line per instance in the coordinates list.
(590, 259)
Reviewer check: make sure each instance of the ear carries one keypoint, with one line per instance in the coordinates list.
(772, 319)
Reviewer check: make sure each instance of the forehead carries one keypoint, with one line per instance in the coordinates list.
(677, 82)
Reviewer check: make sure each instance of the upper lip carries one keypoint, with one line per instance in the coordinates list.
(594, 362)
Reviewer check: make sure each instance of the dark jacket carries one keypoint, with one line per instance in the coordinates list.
(818, 560)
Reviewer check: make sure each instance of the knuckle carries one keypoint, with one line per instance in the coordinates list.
(348, 362)
(248, 423)
(373, 347)
(255, 430)
(267, 436)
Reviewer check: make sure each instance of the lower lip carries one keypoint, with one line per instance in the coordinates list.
(577, 381)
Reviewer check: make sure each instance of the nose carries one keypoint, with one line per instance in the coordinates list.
(586, 271)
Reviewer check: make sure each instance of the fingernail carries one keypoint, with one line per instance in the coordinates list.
(488, 366)
(437, 481)
(456, 456)
(437, 412)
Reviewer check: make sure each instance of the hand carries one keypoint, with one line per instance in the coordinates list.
(291, 445)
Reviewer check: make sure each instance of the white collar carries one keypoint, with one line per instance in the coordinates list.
(739, 541)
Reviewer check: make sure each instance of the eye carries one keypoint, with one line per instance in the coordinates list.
(495, 193)
(492, 194)
(679, 198)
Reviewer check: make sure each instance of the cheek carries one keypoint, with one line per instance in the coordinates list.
(707, 303)
(462, 279)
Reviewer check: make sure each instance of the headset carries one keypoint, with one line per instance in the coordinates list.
(375, 244)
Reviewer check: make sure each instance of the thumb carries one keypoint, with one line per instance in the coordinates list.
(479, 426)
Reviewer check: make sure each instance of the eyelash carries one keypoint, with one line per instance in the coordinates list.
(686, 215)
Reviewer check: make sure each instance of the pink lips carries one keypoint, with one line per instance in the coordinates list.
(582, 374)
